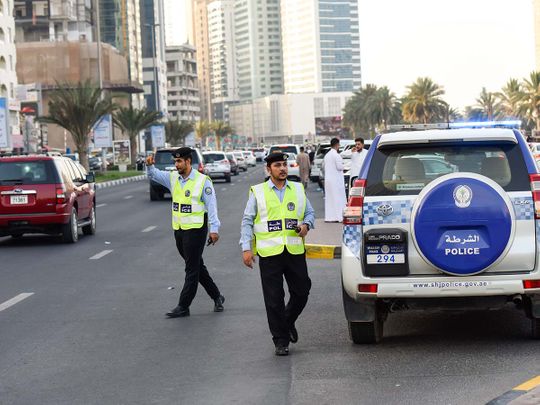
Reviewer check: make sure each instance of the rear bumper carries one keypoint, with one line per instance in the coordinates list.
(219, 175)
(32, 223)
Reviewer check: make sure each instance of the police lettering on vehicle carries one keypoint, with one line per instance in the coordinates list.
(275, 226)
(291, 223)
(185, 208)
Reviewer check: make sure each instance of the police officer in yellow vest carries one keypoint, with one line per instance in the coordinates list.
(194, 207)
(277, 217)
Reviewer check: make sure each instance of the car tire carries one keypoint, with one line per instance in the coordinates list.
(367, 332)
(90, 229)
(70, 231)
(228, 178)
(535, 323)
(154, 195)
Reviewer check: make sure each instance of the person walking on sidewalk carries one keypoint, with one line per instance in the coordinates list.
(303, 164)
(277, 217)
(334, 184)
(194, 205)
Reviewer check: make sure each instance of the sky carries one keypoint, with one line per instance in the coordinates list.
(463, 45)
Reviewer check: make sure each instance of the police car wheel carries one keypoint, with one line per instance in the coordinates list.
(535, 322)
(366, 332)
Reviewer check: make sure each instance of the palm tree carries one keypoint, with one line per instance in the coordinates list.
(202, 128)
(176, 131)
(474, 114)
(76, 107)
(385, 109)
(423, 102)
(531, 98)
(221, 129)
(510, 98)
(489, 104)
(132, 121)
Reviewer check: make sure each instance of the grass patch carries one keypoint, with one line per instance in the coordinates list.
(115, 175)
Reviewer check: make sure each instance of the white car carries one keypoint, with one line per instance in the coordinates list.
(242, 162)
(285, 148)
(217, 165)
(260, 154)
(450, 225)
(250, 158)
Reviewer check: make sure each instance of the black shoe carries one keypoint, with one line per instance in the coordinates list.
(178, 312)
(218, 303)
(282, 350)
(293, 334)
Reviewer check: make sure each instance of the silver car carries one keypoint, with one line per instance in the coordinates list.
(217, 165)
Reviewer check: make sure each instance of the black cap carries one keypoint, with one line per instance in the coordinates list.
(182, 153)
(276, 156)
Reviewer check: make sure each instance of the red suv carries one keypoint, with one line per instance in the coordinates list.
(43, 194)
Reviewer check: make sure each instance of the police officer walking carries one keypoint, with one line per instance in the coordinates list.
(194, 206)
(277, 217)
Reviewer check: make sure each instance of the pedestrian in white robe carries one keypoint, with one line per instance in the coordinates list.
(334, 184)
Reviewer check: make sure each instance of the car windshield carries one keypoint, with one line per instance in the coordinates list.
(407, 170)
(38, 172)
(213, 157)
(283, 148)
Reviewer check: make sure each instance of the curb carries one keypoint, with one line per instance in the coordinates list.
(527, 393)
(111, 183)
(314, 251)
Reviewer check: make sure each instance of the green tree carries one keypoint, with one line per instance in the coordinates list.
(132, 121)
(489, 103)
(510, 98)
(76, 107)
(176, 131)
(221, 129)
(202, 128)
(474, 114)
(423, 102)
(531, 98)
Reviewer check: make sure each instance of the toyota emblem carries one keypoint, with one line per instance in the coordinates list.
(385, 210)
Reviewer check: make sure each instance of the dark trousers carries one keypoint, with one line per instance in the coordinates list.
(190, 245)
(280, 316)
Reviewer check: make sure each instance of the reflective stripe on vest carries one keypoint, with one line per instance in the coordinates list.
(193, 219)
(274, 217)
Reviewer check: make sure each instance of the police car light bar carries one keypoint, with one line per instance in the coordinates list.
(455, 125)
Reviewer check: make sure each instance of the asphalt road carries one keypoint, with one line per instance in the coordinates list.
(94, 330)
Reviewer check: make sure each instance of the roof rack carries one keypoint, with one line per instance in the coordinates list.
(455, 125)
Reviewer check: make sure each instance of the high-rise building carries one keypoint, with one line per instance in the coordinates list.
(221, 57)
(153, 52)
(321, 45)
(182, 87)
(200, 37)
(8, 73)
(258, 48)
(178, 22)
(120, 27)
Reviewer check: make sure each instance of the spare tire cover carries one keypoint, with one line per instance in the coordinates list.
(463, 223)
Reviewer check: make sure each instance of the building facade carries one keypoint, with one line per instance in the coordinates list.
(321, 46)
(536, 5)
(200, 38)
(258, 48)
(153, 53)
(182, 87)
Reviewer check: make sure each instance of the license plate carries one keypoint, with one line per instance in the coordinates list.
(385, 259)
(18, 199)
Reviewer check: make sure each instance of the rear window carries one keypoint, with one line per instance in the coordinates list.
(37, 172)
(407, 170)
(284, 149)
(213, 157)
(165, 158)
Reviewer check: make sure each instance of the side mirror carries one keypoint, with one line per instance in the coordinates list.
(91, 177)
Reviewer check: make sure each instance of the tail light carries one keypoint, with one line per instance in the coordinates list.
(201, 168)
(293, 165)
(531, 284)
(352, 214)
(225, 162)
(60, 195)
(368, 288)
(535, 188)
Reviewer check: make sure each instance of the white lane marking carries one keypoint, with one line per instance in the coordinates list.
(128, 197)
(14, 300)
(150, 228)
(101, 205)
(224, 189)
(100, 254)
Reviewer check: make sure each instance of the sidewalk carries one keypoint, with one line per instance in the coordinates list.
(324, 241)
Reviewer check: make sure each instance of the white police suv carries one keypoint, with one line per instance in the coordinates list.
(443, 218)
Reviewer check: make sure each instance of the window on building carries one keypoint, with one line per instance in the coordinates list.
(1, 7)
(3, 90)
(2, 35)
(2, 63)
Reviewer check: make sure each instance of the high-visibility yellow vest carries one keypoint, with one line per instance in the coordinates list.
(187, 205)
(275, 223)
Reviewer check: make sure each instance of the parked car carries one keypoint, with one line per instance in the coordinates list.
(233, 162)
(43, 194)
(259, 153)
(217, 165)
(445, 225)
(164, 161)
(241, 160)
(250, 158)
(95, 163)
(285, 148)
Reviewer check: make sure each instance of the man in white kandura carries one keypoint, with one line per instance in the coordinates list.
(334, 184)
